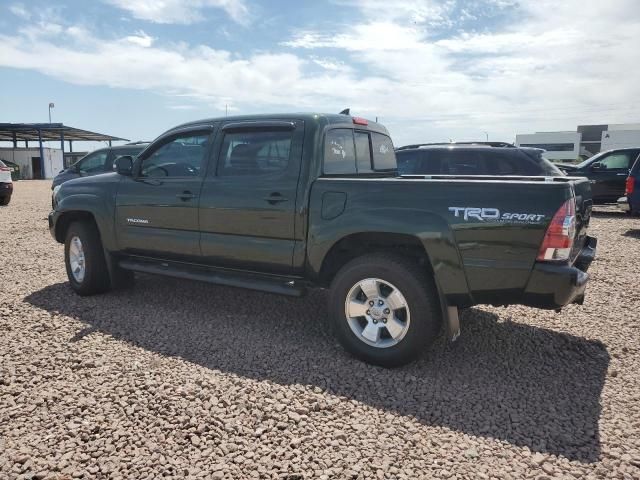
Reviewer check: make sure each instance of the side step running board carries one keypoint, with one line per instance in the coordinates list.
(231, 278)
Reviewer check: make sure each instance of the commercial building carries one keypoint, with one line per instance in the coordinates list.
(36, 160)
(587, 140)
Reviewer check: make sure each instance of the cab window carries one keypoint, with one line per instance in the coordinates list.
(259, 152)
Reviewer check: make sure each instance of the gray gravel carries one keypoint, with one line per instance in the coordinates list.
(185, 380)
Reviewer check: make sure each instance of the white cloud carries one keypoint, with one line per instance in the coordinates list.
(20, 11)
(141, 39)
(181, 11)
(542, 72)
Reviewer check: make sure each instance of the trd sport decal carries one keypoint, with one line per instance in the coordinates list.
(494, 215)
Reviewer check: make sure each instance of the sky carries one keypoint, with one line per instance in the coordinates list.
(429, 70)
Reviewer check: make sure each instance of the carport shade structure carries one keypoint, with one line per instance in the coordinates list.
(14, 132)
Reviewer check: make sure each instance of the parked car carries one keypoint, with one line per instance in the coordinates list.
(607, 172)
(96, 162)
(15, 169)
(6, 184)
(631, 201)
(473, 158)
(282, 203)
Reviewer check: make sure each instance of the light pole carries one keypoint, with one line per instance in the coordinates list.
(51, 105)
(487, 135)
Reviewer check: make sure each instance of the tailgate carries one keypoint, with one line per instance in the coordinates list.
(584, 204)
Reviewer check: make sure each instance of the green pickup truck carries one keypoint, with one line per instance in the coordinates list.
(283, 203)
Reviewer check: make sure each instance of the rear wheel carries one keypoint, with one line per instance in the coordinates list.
(385, 310)
(84, 259)
(5, 200)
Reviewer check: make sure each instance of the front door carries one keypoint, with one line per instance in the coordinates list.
(157, 210)
(608, 175)
(248, 203)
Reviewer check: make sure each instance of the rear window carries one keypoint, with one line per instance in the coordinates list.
(363, 152)
(384, 157)
(546, 167)
(2, 164)
(419, 162)
(339, 152)
(348, 152)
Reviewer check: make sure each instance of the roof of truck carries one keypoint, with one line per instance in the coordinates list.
(330, 118)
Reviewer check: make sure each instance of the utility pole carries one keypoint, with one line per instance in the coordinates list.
(51, 105)
(487, 135)
(226, 109)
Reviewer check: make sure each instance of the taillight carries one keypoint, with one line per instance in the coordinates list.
(629, 184)
(558, 239)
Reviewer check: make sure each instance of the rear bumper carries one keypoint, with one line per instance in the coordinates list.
(623, 204)
(6, 189)
(554, 286)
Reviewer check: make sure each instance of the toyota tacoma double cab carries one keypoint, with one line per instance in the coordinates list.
(284, 203)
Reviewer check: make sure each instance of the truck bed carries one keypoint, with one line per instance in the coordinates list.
(482, 234)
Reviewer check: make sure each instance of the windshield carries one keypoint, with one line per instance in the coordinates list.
(589, 160)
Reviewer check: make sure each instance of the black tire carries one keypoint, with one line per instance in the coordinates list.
(96, 277)
(5, 200)
(421, 296)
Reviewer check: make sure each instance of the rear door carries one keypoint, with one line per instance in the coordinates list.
(248, 204)
(157, 211)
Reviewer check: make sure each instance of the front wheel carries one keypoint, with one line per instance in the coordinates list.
(384, 309)
(84, 259)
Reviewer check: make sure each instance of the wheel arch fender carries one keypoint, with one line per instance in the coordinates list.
(85, 207)
(417, 233)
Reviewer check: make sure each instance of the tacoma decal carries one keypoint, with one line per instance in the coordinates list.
(137, 220)
(494, 214)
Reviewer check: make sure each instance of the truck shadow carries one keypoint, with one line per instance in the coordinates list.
(508, 381)
(632, 233)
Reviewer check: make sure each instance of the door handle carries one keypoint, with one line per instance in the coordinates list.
(186, 196)
(275, 198)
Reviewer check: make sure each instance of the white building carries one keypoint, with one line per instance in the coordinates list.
(586, 141)
(559, 146)
(31, 166)
(621, 136)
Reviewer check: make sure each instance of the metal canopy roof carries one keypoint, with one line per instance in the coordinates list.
(49, 131)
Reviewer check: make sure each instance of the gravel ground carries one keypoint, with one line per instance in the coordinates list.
(185, 380)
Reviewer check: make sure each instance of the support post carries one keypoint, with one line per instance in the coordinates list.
(70, 146)
(26, 144)
(15, 140)
(64, 164)
(109, 142)
(41, 154)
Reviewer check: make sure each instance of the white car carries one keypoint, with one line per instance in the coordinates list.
(6, 184)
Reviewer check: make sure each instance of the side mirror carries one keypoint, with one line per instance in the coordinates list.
(124, 165)
(597, 166)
